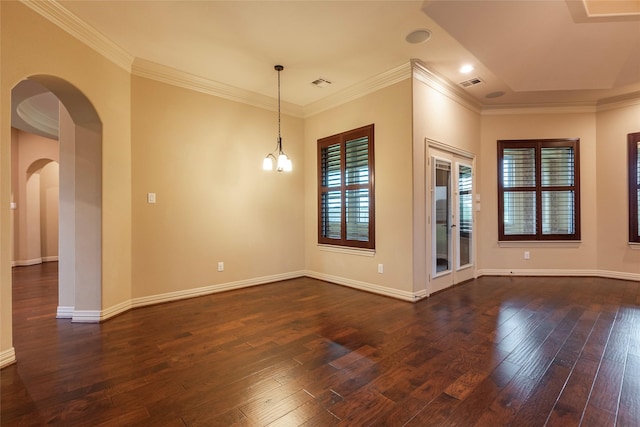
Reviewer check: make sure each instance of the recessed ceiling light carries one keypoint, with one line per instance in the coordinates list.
(496, 94)
(466, 68)
(418, 36)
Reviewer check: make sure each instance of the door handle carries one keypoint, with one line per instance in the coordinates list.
(453, 225)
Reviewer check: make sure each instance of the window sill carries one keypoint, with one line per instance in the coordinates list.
(635, 246)
(540, 244)
(348, 251)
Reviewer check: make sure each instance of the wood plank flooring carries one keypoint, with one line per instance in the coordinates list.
(494, 351)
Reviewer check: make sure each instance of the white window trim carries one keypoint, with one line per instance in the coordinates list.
(540, 243)
(347, 250)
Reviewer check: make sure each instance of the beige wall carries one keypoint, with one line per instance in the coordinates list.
(32, 45)
(550, 257)
(202, 156)
(613, 125)
(390, 111)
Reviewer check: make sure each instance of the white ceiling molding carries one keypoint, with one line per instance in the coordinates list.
(614, 103)
(603, 11)
(79, 29)
(428, 77)
(518, 110)
(37, 118)
(172, 76)
(373, 84)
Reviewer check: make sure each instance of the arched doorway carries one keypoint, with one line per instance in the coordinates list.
(41, 210)
(80, 195)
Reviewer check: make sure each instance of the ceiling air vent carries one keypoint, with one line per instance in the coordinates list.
(471, 82)
(321, 82)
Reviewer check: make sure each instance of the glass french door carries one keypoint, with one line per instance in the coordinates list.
(451, 220)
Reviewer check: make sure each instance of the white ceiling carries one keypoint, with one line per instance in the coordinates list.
(555, 52)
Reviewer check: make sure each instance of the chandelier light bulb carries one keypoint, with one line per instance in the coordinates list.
(267, 164)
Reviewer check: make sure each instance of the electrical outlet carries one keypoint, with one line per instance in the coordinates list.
(527, 255)
(221, 266)
(380, 268)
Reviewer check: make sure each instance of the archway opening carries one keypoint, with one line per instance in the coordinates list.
(76, 126)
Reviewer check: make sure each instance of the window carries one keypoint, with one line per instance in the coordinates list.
(634, 187)
(539, 190)
(345, 189)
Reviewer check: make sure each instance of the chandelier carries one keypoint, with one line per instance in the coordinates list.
(283, 162)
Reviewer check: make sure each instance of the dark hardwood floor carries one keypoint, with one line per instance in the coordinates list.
(494, 351)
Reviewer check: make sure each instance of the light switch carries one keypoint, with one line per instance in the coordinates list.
(14, 205)
(151, 197)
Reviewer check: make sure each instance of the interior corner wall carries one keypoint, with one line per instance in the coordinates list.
(545, 258)
(615, 256)
(202, 157)
(389, 109)
(31, 45)
(14, 197)
(67, 215)
(49, 196)
(445, 118)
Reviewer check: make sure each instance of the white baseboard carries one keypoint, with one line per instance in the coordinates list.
(619, 275)
(64, 312)
(558, 272)
(7, 357)
(34, 261)
(369, 287)
(94, 316)
(206, 290)
(86, 316)
(114, 310)
(26, 262)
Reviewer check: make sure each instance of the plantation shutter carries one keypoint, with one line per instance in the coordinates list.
(558, 192)
(519, 191)
(538, 190)
(357, 191)
(634, 186)
(331, 199)
(345, 191)
(638, 192)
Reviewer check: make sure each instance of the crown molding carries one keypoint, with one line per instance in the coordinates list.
(428, 77)
(67, 21)
(541, 109)
(36, 118)
(613, 103)
(175, 77)
(577, 108)
(373, 84)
